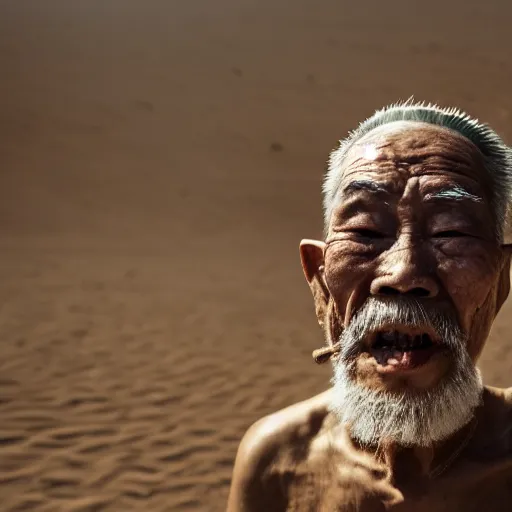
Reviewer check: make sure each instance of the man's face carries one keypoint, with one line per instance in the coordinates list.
(411, 262)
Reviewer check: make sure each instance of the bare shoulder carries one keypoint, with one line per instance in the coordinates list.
(498, 400)
(298, 422)
(497, 417)
(507, 394)
(285, 434)
(506, 399)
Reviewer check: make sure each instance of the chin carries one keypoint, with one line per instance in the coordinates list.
(404, 374)
(393, 409)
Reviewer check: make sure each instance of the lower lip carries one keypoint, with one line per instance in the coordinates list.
(395, 362)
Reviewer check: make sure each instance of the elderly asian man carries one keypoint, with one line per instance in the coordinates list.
(406, 284)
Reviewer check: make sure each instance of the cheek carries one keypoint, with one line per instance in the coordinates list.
(469, 280)
(480, 327)
(348, 276)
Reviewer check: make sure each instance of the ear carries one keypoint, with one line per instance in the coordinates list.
(504, 282)
(507, 248)
(312, 259)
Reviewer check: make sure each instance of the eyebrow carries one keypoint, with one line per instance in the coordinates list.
(456, 193)
(367, 185)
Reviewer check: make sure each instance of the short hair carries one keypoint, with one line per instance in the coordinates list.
(497, 155)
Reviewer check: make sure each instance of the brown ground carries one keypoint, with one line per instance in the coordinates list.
(159, 166)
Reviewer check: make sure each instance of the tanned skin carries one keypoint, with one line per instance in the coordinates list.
(401, 239)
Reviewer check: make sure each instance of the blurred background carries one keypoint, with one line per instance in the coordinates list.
(159, 163)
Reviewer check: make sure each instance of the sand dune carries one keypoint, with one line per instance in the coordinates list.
(159, 164)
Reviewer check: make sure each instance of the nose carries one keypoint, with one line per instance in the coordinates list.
(405, 272)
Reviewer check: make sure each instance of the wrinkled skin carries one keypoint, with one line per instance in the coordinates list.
(401, 225)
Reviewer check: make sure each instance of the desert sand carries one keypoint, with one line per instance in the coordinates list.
(159, 163)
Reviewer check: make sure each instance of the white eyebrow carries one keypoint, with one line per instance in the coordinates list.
(457, 193)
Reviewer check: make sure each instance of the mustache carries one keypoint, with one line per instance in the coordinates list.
(378, 313)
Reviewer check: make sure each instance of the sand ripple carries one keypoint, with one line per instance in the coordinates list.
(111, 402)
(159, 163)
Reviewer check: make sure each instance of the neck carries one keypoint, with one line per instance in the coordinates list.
(412, 464)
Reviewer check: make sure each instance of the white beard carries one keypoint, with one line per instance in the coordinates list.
(419, 418)
(414, 419)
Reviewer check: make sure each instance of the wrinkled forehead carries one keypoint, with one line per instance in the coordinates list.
(404, 149)
(409, 153)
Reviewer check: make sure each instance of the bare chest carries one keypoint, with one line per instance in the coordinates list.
(471, 488)
(468, 487)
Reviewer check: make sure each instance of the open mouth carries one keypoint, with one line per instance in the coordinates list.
(398, 350)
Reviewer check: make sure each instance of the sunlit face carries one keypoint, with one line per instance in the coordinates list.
(413, 220)
(408, 282)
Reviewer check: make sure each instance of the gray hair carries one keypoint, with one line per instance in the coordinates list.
(497, 155)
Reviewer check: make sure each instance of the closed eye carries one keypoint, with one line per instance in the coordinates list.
(367, 233)
(449, 234)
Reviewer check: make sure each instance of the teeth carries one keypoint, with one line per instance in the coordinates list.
(389, 336)
(386, 339)
(402, 342)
